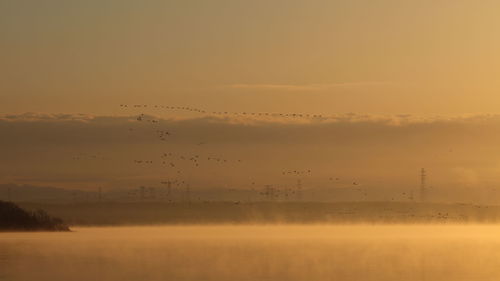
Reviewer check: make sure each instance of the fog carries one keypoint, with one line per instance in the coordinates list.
(383, 155)
(255, 252)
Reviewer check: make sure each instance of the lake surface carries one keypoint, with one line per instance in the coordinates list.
(232, 253)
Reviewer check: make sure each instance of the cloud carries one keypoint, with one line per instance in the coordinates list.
(56, 129)
(309, 87)
(38, 117)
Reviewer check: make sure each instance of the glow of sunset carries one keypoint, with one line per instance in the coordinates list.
(386, 57)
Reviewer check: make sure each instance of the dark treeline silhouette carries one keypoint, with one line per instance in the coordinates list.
(14, 218)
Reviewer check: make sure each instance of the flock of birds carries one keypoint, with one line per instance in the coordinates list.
(295, 172)
(88, 156)
(225, 113)
(195, 159)
(143, 118)
(176, 162)
(162, 134)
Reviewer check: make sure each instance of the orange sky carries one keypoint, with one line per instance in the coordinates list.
(420, 57)
(420, 76)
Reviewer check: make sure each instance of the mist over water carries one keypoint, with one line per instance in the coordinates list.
(255, 252)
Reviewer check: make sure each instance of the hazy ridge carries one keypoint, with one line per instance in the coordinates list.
(144, 213)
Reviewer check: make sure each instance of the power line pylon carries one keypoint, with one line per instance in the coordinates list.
(423, 191)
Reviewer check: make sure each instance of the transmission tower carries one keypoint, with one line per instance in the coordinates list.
(188, 194)
(169, 191)
(142, 192)
(423, 191)
(299, 190)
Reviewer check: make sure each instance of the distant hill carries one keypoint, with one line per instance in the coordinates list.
(147, 213)
(33, 193)
(14, 218)
(158, 193)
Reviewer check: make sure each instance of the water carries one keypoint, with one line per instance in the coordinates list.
(282, 252)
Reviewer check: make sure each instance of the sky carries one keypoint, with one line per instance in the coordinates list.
(383, 57)
(399, 85)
